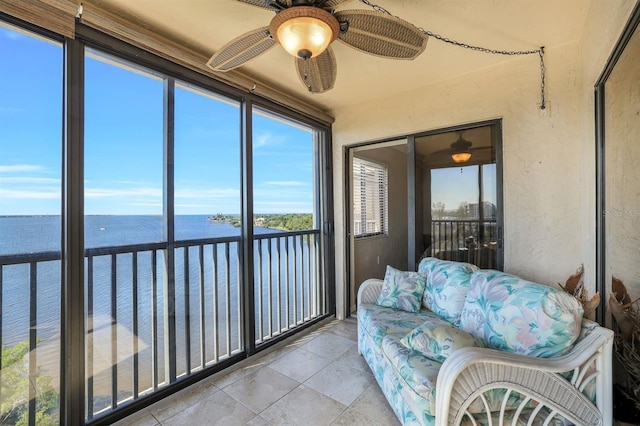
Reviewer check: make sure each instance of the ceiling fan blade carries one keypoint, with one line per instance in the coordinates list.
(318, 74)
(263, 4)
(241, 50)
(381, 35)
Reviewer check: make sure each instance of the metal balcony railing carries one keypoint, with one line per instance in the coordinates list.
(472, 241)
(131, 290)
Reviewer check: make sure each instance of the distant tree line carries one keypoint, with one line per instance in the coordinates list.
(285, 222)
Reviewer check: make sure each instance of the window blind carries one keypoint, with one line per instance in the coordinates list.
(370, 198)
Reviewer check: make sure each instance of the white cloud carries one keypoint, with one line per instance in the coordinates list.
(43, 194)
(30, 180)
(266, 138)
(21, 168)
(125, 192)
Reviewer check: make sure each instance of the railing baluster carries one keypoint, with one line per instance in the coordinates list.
(187, 312)
(228, 299)
(239, 298)
(134, 309)
(33, 329)
(295, 280)
(309, 298)
(216, 330)
(278, 288)
(89, 359)
(303, 275)
(154, 317)
(269, 286)
(286, 280)
(114, 332)
(259, 280)
(203, 329)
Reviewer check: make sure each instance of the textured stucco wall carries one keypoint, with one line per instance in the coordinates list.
(549, 162)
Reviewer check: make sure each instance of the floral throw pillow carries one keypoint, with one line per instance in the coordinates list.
(437, 340)
(402, 290)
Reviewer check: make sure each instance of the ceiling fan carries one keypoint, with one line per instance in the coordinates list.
(306, 28)
(461, 150)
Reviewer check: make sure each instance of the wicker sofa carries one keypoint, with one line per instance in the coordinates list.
(483, 347)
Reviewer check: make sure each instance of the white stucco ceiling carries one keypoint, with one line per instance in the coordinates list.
(206, 25)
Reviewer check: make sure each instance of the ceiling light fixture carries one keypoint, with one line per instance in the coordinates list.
(304, 31)
(460, 152)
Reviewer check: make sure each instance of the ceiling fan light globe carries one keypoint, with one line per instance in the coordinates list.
(303, 35)
(461, 157)
(304, 31)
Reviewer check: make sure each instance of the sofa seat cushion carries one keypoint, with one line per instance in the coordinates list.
(418, 372)
(378, 321)
(447, 287)
(439, 339)
(519, 316)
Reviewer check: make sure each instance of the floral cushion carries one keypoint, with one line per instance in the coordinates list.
(379, 321)
(402, 290)
(447, 287)
(519, 316)
(438, 340)
(418, 373)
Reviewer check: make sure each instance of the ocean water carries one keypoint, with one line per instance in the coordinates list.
(210, 312)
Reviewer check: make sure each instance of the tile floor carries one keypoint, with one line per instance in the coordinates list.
(317, 378)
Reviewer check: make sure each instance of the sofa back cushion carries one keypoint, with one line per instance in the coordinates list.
(447, 286)
(518, 316)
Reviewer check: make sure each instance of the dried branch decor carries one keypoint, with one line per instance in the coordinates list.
(626, 324)
(575, 287)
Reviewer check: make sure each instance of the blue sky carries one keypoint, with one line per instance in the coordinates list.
(124, 142)
(455, 185)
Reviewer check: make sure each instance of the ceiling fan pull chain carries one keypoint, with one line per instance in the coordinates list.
(539, 51)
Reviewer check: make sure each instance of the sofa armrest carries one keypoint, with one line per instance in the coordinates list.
(470, 372)
(369, 291)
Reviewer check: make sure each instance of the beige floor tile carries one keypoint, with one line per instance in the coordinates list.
(303, 406)
(352, 417)
(141, 418)
(373, 403)
(179, 401)
(329, 345)
(347, 329)
(258, 421)
(217, 409)
(353, 359)
(223, 380)
(300, 364)
(340, 382)
(259, 390)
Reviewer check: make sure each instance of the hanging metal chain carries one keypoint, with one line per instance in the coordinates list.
(539, 51)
